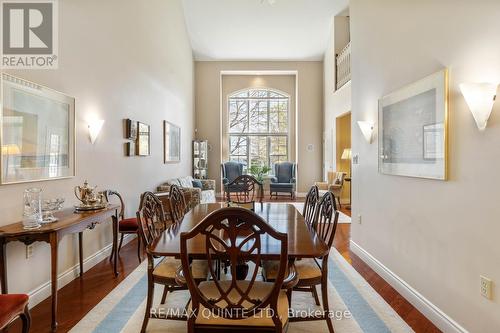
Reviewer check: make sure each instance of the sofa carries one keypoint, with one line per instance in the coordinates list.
(193, 195)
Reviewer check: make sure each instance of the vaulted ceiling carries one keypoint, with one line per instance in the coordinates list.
(260, 29)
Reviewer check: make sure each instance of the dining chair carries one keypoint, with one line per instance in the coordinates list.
(227, 303)
(178, 205)
(309, 210)
(152, 223)
(126, 226)
(314, 271)
(246, 189)
(13, 306)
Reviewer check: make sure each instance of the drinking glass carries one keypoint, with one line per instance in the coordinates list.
(32, 215)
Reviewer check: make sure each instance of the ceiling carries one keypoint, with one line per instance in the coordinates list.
(260, 29)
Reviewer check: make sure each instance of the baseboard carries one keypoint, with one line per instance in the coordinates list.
(43, 291)
(429, 310)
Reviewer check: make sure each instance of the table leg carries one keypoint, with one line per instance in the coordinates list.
(80, 250)
(3, 266)
(115, 243)
(53, 260)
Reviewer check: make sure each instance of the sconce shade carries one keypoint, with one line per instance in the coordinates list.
(346, 154)
(95, 127)
(480, 98)
(367, 130)
(11, 149)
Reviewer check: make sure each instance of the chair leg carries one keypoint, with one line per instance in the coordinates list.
(315, 295)
(139, 248)
(289, 296)
(164, 296)
(26, 319)
(324, 294)
(121, 242)
(149, 303)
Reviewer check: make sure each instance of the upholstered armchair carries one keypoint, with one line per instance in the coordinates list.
(334, 184)
(230, 171)
(284, 179)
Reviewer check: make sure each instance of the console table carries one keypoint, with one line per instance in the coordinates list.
(69, 222)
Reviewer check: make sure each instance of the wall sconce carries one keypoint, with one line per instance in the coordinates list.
(367, 130)
(480, 98)
(95, 127)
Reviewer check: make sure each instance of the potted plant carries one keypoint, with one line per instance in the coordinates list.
(259, 171)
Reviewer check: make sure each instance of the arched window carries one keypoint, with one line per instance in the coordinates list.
(258, 127)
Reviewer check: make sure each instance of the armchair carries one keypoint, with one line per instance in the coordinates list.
(334, 184)
(230, 171)
(284, 179)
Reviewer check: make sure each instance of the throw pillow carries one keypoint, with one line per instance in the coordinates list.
(197, 183)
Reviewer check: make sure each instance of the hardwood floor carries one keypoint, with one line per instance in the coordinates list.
(78, 297)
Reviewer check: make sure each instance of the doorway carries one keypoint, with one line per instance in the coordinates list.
(343, 154)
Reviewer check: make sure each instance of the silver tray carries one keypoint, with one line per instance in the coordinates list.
(83, 207)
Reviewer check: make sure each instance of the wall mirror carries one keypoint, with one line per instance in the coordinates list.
(37, 132)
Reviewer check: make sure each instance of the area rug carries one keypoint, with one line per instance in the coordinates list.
(343, 218)
(355, 305)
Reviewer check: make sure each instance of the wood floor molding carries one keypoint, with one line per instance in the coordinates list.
(428, 309)
(43, 291)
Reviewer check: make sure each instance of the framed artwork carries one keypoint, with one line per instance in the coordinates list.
(143, 139)
(130, 148)
(131, 129)
(171, 142)
(37, 132)
(413, 129)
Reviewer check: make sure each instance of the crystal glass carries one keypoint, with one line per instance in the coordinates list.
(32, 214)
(49, 207)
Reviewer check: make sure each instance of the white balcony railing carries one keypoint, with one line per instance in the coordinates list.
(343, 63)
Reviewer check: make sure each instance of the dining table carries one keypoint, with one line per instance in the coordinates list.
(303, 242)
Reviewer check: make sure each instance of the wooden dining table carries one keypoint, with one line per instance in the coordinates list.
(303, 242)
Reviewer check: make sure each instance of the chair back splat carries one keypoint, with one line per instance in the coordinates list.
(245, 189)
(177, 204)
(327, 218)
(234, 234)
(312, 199)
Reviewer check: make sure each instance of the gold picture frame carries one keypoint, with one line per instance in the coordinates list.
(413, 129)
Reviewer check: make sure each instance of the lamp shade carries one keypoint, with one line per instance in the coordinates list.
(346, 154)
(367, 130)
(480, 98)
(95, 127)
(11, 149)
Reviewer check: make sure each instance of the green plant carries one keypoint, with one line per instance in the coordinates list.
(259, 171)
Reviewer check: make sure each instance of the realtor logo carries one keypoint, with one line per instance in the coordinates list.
(29, 34)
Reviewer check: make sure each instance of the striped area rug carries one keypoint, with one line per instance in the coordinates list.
(357, 307)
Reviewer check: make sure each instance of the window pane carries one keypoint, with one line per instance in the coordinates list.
(258, 93)
(238, 145)
(258, 116)
(278, 116)
(275, 94)
(238, 116)
(278, 145)
(258, 150)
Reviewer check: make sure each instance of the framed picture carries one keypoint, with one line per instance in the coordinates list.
(171, 142)
(37, 132)
(413, 129)
(143, 140)
(130, 148)
(131, 129)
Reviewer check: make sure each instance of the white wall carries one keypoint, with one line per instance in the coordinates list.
(309, 105)
(336, 102)
(119, 59)
(437, 236)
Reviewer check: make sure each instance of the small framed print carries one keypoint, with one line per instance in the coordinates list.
(130, 148)
(143, 140)
(171, 142)
(131, 129)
